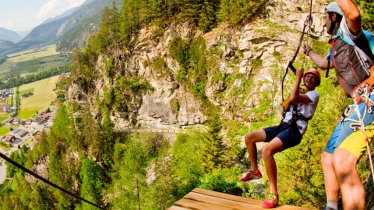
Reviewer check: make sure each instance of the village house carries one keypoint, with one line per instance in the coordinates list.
(10, 120)
(6, 93)
(4, 108)
(9, 138)
(19, 133)
(44, 116)
(28, 121)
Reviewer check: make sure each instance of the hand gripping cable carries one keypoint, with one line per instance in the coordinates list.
(308, 23)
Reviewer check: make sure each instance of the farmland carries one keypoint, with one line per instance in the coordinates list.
(4, 116)
(4, 130)
(32, 61)
(42, 97)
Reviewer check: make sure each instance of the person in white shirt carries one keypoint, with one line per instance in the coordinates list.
(286, 135)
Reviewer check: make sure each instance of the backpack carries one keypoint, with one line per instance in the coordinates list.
(352, 64)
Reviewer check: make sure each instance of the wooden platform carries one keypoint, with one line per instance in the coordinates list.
(200, 199)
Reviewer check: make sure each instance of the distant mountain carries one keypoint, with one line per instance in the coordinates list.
(65, 14)
(6, 46)
(8, 35)
(24, 33)
(73, 26)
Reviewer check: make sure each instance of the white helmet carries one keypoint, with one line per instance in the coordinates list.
(334, 7)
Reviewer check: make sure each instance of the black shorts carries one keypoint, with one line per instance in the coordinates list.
(289, 135)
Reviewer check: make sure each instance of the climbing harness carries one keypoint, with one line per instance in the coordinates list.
(361, 94)
(308, 23)
(45, 180)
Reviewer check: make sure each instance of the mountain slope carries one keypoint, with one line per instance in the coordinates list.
(8, 35)
(5, 46)
(54, 29)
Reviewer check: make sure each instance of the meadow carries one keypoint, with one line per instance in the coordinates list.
(41, 99)
(4, 130)
(32, 61)
(4, 116)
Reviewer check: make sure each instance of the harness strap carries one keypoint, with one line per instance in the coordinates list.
(362, 93)
(295, 117)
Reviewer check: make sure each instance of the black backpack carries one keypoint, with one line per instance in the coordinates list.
(352, 64)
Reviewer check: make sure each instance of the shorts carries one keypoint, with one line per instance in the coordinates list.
(289, 135)
(344, 137)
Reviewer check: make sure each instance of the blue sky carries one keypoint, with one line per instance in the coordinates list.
(22, 15)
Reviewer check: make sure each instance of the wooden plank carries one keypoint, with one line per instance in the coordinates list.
(244, 200)
(200, 199)
(177, 208)
(288, 207)
(227, 196)
(221, 201)
(197, 205)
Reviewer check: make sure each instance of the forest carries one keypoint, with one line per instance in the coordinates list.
(87, 156)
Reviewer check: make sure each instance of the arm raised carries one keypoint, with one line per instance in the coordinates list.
(352, 15)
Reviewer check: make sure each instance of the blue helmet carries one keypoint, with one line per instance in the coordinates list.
(334, 7)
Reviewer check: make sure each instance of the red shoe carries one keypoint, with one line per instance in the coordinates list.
(271, 201)
(251, 176)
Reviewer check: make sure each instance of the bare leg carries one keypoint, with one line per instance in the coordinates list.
(331, 183)
(268, 152)
(351, 187)
(250, 140)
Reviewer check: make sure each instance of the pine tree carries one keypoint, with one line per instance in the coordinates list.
(213, 146)
(207, 18)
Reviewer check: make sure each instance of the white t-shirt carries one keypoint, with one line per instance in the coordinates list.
(307, 110)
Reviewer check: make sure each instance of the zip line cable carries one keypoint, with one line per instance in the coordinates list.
(308, 22)
(45, 180)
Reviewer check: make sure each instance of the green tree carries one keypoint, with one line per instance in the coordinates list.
(367, 12)
(238, 12)
(212, 146)
(130, 165)
(91, 176)
(207, 17)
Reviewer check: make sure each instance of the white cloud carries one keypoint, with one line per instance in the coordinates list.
(17, 24)
(53, 8)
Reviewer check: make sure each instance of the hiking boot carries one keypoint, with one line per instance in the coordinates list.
(251, 176)
(271, 201)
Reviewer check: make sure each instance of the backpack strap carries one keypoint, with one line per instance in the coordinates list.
(329, 58)
(370, 38)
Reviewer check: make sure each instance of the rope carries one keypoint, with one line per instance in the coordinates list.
(308, 22)
(362, 126)
(355, 124)
(46, 181)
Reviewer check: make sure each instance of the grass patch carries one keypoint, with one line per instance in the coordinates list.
(27, 142)
(5, 146)
(41, 99)
(31, 90)
(9, 100)
(4, 130)
(4, 117)
(28, 113)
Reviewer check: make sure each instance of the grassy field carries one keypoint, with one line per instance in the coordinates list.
(3, 117)
(4, 130)
(32, 61)
(41, 99)
(33, 53)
